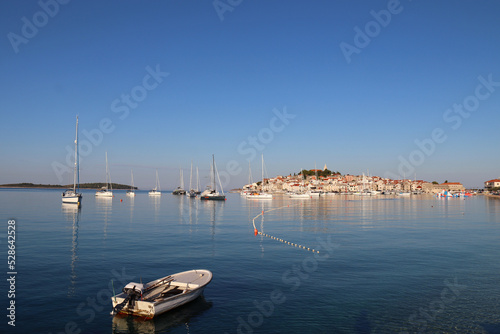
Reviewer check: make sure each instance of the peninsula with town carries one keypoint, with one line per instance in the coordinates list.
(326, 181)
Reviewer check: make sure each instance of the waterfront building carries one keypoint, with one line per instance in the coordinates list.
(450, 186)
(492, 184)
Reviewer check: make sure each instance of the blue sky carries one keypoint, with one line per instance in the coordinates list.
(221, 83)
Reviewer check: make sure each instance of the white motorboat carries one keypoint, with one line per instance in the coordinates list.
(156, 190)
(107, 190)
(161, 295)
(72, 195)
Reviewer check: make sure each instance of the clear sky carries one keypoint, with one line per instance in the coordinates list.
(409, 88)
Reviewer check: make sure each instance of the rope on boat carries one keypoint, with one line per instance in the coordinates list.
(279, 239)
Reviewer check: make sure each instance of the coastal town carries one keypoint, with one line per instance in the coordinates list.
(325, 181)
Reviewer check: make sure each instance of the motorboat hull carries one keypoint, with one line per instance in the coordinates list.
(164, 294)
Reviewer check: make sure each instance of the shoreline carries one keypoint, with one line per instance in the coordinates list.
(59, 188)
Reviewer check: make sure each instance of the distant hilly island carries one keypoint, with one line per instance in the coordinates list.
(82, 185)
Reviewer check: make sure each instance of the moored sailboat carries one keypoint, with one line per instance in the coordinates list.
(301, 194)
(72, 195)
(131, 192)
(107, 190)
(156, 191)
(260, 194)
(211, 192)
(191, 193)
(180, 189)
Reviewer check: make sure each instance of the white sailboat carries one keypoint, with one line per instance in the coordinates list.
(191, 193)
(197, 190)
(107, 190)
(246, 189)
(72, 195)
(131, 192)
(302, 194)
(180, 189)
(211, 192)
(366, 190)
(156, 191)
(262, 194)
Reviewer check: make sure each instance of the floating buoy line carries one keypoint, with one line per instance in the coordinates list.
(257, 232)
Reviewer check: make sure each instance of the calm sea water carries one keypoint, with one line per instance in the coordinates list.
(386, 265)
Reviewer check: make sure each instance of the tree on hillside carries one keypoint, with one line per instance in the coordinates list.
(322, 173)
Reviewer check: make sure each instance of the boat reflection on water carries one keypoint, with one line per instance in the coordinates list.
(179, 317)
(72, 214)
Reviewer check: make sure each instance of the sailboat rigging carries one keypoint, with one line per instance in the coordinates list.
(131, 192)
(156, 190)
(211, 192)
(107, 190)
(72, 195)
(262, 194)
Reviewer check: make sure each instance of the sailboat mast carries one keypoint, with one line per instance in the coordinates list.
(157, 186)
(197, 180)
(262, 187)
(78, 155)
(76, 173)
(213, 172)
(106, 170)
(182, 178)
(191, 178)
(249, 174)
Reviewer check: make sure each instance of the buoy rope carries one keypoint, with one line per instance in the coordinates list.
(279, 239)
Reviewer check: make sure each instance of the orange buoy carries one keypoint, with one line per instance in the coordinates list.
(255, 231)
(121, 200)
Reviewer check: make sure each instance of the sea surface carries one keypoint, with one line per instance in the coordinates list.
(385, 264)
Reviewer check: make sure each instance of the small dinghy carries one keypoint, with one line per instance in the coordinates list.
(161, 295)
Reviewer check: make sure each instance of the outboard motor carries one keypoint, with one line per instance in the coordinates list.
(134, 292)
